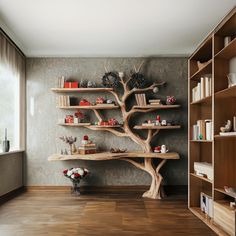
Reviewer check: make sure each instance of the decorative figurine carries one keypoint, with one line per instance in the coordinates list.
(163, 149)
(155, 90)
(79, 116)
(91, 84)
(170, 100)
(109, 101)
(70, 140)
(163, 123)
(158, 120)
(83, 84)
(100, 100)
(227, 127)
(157, 149)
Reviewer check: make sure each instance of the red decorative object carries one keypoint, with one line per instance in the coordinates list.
(158, 118)
(71, 85)
(84, 102)
(100, 100)
(104, 123)
(170, 100)
(79, 114)
(85, 137)
(112, 122)
(69, 119)
(157, 149)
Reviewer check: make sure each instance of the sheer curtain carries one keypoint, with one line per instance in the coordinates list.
(12, 92)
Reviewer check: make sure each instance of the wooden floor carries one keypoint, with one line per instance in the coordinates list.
(58, 213)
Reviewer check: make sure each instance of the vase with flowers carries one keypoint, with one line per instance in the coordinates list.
(75, 174)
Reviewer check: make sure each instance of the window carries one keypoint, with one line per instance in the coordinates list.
(9, 107)
(12, 93)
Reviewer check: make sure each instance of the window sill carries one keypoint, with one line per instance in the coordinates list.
(11, 152)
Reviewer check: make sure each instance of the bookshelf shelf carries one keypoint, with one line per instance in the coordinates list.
(206, 69)
(221, 190)
(201, 178)
(226, 93)
(201, 141)
(218, 108)
(88, 125)
(203, 100)
(227, 52)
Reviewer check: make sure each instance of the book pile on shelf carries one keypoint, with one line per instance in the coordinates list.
(60, 82)
(202, 90)
(155, 102)
(206, 204)
(202, 130)
(141, 99)
(87, 146)
(63, 101)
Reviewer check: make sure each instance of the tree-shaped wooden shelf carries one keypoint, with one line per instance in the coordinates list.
(126, 131)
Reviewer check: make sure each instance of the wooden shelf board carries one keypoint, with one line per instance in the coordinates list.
(89, 125)
(228, 92)
(81, 90)
(221, 190)
(157, 127)
(156, 106)
(208, 221)
(201, 178)
(203, 70)
(113, 156)
(224, 137)
(89, 107)
(203, 100)
(201, 141)
(228, 52)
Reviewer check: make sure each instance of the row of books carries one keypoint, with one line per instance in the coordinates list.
(155, 102)
(203, 89)
(141, 99)
(203, 130)
(63, 101)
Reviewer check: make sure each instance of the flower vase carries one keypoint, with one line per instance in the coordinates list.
(75, 188)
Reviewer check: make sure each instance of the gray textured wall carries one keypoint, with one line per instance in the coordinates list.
(11, 172)
(43, 133)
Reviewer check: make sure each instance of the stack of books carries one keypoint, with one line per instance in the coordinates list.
(202, 130)
(155, 102)
(61, 82)
(88, 148)
(63, 101)
(202, 90)
(141, 99)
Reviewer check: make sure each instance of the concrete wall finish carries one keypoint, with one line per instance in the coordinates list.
(42, 117)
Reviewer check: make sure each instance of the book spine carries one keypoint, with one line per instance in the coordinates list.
(202, 88)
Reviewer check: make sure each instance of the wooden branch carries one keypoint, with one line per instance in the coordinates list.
(149, 136)
(117, 98)
(155, 133)
(133, 110)
(110, 129)
(96, 112)
(126, 95)
(136, 164)
(160, 165)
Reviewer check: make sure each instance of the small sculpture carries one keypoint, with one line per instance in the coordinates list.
(83, 84)
(227, 127)
(118, 150)
(163, 149)
(91, 84)
(170, 100)
(6, 143)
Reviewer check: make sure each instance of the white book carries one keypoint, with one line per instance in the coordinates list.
(207, 88)
(208, 126)
(210, 86)
(62, 81)
(202, 87)
(193, 95)
(144, 99)
(195, 132)
(198, 91)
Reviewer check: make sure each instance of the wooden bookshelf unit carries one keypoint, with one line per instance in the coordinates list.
(215, 58)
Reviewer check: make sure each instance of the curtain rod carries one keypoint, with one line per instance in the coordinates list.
(12, 42)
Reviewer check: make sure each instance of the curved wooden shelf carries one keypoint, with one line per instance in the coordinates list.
(113, 156)
(90, 107)
(156, 107)
(157, 127)
(81, 90)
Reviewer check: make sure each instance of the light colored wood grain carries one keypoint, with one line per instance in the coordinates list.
(224, 217)
(202, 178)
(89, 107)
(157, 127)
(156, 107)
(114, 156)
(80, 90)
(227, 52)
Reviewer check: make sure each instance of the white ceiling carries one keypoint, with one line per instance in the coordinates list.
(110, 27)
